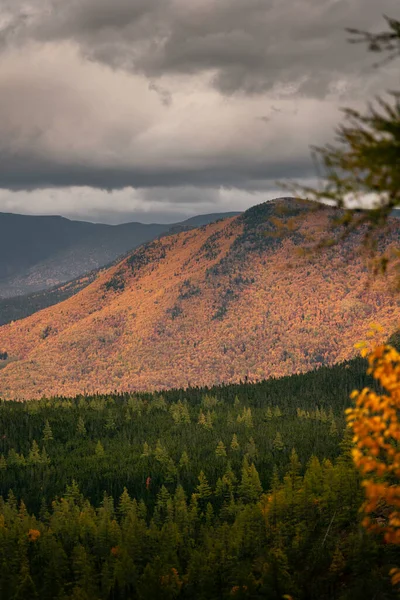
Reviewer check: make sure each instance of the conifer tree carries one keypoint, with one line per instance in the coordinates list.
(47, 432)
(184, 460)
(110, 423)
(220, 450)
(80, 428)
(146, 450)
(333, 427)
(209, 515)
(99, 449)
(44, 457)
(125, 503)
(209, 420)
(278, 442)
(34, 457)
(251, 449)
(202, 419)
(234, 443)
(203, 489)
(3, 463)
(250, 487)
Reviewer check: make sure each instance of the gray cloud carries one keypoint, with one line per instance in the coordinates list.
(249, 44)
(175, 95)
(161, 205)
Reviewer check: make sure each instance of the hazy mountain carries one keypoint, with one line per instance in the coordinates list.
(39, 252)
(228, 301)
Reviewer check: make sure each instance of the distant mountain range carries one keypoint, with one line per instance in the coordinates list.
(230, 301)
(40, 252)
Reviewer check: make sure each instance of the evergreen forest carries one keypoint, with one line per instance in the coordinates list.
(237, 491)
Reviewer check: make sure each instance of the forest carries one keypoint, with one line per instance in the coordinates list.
(236, 491)
(209, 306)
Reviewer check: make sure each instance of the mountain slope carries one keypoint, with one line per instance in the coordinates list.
(216, 304)
(40, 252)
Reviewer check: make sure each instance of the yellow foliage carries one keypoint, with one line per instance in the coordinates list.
(33, 535)
(376, 434)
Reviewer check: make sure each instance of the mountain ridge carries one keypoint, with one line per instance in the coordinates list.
(40, 252)
(217, 304)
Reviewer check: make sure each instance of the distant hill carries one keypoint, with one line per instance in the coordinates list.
(40, 252)
(231, 301)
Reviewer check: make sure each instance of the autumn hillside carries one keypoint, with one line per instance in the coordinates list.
(228, 301)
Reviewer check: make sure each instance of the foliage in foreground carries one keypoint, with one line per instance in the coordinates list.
(362, 169)
(376, 429)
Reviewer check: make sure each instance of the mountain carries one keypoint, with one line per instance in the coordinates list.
(233, 300)
(38, 252)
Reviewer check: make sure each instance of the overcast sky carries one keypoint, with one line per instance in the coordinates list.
(153, 110)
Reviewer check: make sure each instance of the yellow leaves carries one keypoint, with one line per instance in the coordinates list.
(395, 575)
(33, 535)
(374, 420)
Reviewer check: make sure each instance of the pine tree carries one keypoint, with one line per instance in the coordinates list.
(202, 419)
(34, 457)
(184, 460)
(268, 413)
(161, 453)
(277, 412)
(277, 444)
(203, 489)
(250, 487)
(44, 457)
(125, 503)
(251, 449)
(338, 562)
(80, 428)
(110, 423)
(209, 420)
(3, 463)
(185, 416)
(99, 450)
(209, 515)
(146, 450)
(234, 443)
(47, 432)
(220, 450)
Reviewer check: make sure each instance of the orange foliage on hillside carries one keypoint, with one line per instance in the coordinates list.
(216, 304)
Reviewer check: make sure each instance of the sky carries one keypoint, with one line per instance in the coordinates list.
(155, 110)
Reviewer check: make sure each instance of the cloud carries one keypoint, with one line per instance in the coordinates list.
(160, 205)
(72, 122)
(248, 44)
(174, 96)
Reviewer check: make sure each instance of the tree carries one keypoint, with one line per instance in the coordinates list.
(34, 457)
(278, 442)
(184, 460)
(220, 450)
(146, 450)
(203, 490)
(47, 432)
(99, 450)
(366, 161)
(80, 428)
(376, 434)
(250, 487)
(234, 443)
(251, 449)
